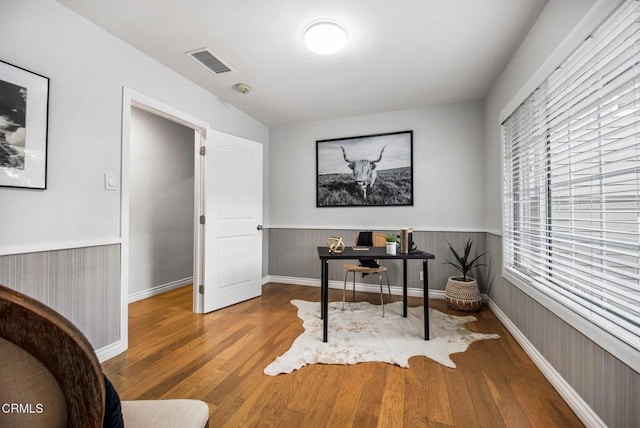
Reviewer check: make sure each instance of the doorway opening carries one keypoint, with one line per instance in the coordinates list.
(161, 189)
(144, 118)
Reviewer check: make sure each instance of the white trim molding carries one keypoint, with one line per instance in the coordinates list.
(107, 352)
(40, 248)
(379, 228)
(573, 399)
(159, 289)
(494, 232)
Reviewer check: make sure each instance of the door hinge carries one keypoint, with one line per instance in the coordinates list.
(201, 289)
(202, 219)
(203, 150)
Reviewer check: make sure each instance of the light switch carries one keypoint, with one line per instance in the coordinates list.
(110, 182)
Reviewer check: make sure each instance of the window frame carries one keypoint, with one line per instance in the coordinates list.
(549, 299)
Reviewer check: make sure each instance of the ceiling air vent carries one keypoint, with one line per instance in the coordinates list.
(207, 59)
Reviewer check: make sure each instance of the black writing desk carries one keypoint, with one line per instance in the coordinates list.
(371, 253)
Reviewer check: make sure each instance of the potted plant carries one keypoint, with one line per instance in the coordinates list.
(462, 292)
(391, 244)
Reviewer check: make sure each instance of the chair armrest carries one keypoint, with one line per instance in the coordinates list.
(165, 413)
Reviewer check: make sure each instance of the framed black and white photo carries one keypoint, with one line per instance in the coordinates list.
(370, 170)
(24, 99)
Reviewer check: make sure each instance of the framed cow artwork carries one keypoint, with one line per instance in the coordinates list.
(369, 170)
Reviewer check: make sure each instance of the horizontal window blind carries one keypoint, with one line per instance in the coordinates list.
(572, 180)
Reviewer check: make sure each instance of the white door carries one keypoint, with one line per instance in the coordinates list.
(232, 192)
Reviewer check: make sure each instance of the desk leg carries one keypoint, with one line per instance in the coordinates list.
(404, 288)
(325, 300)
(321, 289)
(425, 285)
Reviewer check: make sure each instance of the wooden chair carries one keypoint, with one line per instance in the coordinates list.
(49, 371)
(379, 240)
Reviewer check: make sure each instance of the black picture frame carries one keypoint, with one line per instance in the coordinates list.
(24, 117)
(367, 170)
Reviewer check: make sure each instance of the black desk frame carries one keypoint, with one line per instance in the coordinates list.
(372, 253)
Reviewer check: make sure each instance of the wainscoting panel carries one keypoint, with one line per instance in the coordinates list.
(293, 253)
(607, 385)
(83, 284)
(265, 252)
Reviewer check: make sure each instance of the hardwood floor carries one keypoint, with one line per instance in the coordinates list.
(219, 358)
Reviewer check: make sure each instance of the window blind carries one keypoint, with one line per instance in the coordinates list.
(572, 180)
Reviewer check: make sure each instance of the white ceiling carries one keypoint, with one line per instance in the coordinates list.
(401, 54)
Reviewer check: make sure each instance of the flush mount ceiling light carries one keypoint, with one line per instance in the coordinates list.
(325, 37)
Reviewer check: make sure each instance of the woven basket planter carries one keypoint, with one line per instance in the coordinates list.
(461, 295)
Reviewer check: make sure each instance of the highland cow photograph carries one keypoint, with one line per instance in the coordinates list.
(370, 170)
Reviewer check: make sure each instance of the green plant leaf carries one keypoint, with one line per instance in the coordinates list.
(463, 264)
(454, 265)
(472, 263)
(455, 254)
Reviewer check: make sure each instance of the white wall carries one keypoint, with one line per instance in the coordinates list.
(161, 201)
(448, 173)
(555, 22)
(88, 68)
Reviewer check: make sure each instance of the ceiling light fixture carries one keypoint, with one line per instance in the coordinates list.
(325, 37)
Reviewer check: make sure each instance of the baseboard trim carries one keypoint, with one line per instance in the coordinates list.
(107, 352)
(573, 399)
(360, 286)
(416, 228)
(159, 289)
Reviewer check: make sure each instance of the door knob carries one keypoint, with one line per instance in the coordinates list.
(259, 227)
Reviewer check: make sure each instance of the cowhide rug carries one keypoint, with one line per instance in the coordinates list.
(360, 334)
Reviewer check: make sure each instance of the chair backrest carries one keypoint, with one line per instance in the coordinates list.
(46, 363)
(379, 239)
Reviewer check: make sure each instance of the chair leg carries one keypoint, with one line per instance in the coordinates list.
(353, 288)
(381, 294)
(344, 289)
(388, 287)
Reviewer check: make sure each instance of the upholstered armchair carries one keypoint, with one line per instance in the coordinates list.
(50, 376)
